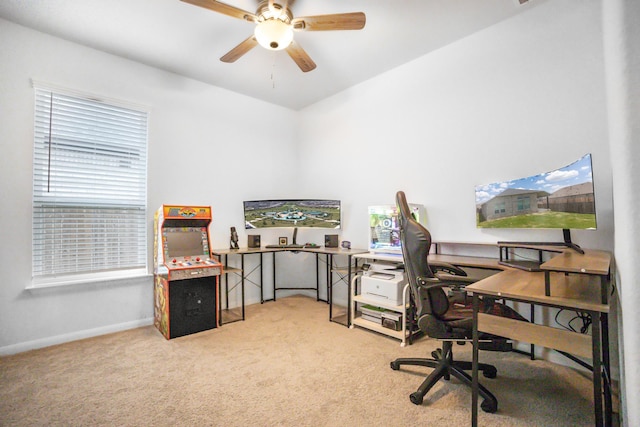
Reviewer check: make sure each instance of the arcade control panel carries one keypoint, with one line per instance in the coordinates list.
(190, 267)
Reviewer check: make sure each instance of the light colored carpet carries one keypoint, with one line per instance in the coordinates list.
(286, 365)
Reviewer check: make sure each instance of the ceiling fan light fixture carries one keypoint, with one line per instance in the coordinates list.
(274, 34)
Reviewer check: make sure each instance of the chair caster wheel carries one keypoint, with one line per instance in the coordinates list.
(436, 354)
(394, 365)
(490, 372)
(489, 406)
(416, 398)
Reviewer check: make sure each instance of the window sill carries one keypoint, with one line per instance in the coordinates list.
(81, 279)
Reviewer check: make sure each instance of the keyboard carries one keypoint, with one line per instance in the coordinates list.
(292, 246)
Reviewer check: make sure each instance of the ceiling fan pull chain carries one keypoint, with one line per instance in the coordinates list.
(273, 71)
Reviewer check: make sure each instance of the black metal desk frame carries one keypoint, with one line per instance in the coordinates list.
(330, 270)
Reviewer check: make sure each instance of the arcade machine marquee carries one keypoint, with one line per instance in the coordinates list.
(185, 275)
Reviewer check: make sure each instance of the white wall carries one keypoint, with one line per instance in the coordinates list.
(622, 58)
(207, 146)
(523, 97)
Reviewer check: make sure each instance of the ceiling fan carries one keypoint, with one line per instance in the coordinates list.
(275, 25)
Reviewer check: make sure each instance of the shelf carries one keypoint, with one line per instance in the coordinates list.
(342, 319)
(533, 246)
(345, 270)
(364, 300)
(380, 256)
(231, 315)
(403, 308)
(467, 261)
(591, 262)
(439, 244)
(367, 324)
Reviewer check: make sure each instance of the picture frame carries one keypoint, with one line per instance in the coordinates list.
(283, 241)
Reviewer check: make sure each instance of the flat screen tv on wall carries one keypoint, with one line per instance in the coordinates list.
(561, 198)
(318, 213)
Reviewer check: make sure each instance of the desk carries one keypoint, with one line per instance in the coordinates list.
(579, 292)
(344, 273)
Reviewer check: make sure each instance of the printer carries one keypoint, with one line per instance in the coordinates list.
(383, 282)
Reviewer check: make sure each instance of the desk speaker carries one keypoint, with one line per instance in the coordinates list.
(254, 241)
(330, 240)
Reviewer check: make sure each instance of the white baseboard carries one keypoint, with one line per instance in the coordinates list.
(73, 336)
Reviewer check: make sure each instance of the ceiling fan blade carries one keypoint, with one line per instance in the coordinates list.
(225, 9)
(240, 50)
(338, 21)
(300, 57)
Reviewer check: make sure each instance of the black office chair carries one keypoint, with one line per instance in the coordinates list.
(441, 316)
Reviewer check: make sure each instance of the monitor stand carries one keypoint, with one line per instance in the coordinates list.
(567, 242)
(293, 243)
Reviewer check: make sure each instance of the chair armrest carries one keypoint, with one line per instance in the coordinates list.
(449, 279)
(445, 267)
(430, 282)
(441, 280)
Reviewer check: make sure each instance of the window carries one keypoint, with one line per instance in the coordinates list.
(524, 203)
(89, 189)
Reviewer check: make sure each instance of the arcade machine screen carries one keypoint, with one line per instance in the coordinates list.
(185, 242)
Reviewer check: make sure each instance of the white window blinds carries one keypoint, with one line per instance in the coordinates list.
(89, 186)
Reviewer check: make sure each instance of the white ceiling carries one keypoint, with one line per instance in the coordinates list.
(189, 40)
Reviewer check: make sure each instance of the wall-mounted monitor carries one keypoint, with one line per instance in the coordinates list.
(315, 213)
(384, 229)
(562, 198)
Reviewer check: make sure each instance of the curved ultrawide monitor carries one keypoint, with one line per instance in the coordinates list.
(562, 198)
(292, 213)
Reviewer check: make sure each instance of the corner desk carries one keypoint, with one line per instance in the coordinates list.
(569, 280)
(343, 273)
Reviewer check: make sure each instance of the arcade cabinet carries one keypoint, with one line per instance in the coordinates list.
(185, 275)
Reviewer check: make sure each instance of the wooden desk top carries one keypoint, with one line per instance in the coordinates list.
(578, 292)
(241, 251)
(317, 249)
(333, 251)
